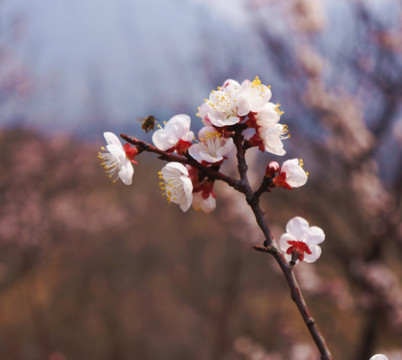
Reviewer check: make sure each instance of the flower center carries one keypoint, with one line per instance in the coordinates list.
(171, 187)
(297, 249)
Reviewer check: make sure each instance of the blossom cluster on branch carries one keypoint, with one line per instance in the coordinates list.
(236, 117)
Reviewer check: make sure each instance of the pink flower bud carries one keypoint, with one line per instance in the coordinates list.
(271, 169)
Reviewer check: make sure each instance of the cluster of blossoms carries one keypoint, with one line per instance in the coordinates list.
(230, 110)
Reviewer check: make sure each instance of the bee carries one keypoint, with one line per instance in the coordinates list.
(148, 123)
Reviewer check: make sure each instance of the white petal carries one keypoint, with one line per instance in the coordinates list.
(295, 175)
(252, 96)
(197, 152)
(222, 121)
(297, 227)
(283, 242)
(162, 140)
(272, 139)
(183, 120)
(268, 116)
(288, 165)
(177, 128)
(126, 173)
(208, 205)
(176, 167)
(227, 148)
(378, 357)
(112, 139)
(230, 85)
(186, 199)
(315, 254)
(315, 235)
(117, 152)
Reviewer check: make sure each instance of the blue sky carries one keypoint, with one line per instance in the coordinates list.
(135, 57)
(108, 62)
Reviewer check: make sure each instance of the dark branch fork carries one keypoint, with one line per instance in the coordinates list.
(253, 201)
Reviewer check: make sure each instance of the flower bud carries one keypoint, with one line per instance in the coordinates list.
(271, 169)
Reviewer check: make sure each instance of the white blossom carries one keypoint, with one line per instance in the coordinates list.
(177, 185)
(213, 147)
(291, 174)
(115, 160)
(272, 138)
(220, 109)
(269, 115)
(252, 96)
(176, 131)
(301, 240)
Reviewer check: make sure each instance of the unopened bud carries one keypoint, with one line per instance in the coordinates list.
(272, 169)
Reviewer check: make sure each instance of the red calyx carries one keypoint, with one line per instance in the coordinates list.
(131, 152)
(182, 146)
(280, 181)
(298, 248)
(271, 169)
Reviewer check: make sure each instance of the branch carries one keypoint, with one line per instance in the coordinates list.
(297, 297)
(269, 247)
(208, 172)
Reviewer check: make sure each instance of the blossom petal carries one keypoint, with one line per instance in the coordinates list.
(268, 116)
(206, 205)
(295, 175)
(378, 357)
(176, 167)
(126, 173)
(112, 139)
(315, 254)
(176, 129)
(315, 235)
(272, 137)
(186, 199)
(297, 227)
(117, 151)
(283, 242)
(177, 185)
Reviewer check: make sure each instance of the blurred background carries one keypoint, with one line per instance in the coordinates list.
(92, 270)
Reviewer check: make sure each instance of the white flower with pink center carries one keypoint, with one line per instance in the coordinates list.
(213, 147)
(175, 136)
(220, 109)
(252, 96)
(300, 242)
(176, 184)
(117, 159)
(291, 174)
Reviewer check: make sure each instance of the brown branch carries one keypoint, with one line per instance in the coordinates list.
(297, 297)
(269, 247)
(208, 172)
(253, 201)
